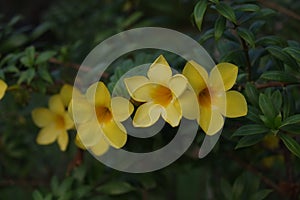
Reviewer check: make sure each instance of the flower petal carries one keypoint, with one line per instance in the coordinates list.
(236, 105)
(121, 108)
(211, 121)
(178, 83)
(145, 92)
(135, 82)
(147, 114)
(47, 135)
(68, 121)
(223, 75)
(172, 113)
(80, 110)
(100, 148)
(115, 134)
(42, 117)
(189, 105)
(160, 71)
(98, 94)
(3, 87)
(196, 75)
(56, 105)
(63, 140)
(89, 132)
(66, 93)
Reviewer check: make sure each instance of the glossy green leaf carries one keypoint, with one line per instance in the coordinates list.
(293, 128)
(277, 100)
(251, 93)
(247, 8)
(249, 140)
(278, 53)
(252, 129)
(253, 114)
(270, 40)
(220, 25)
(199, 12)
(291, 120)
(246, 35)
(294, 52)
(279, 76)
(207, 35)
(291, 144)
(266, 106)
(260, 195)
(226, 11)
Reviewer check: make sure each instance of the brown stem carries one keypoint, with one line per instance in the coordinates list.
(280, 9)
(77, 160)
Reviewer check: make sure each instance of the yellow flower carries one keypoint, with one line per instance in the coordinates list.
(214, 99)
(160, 92)
(54, 123)
(98, 116)
(3, 87)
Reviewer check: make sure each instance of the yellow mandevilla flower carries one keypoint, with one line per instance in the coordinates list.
(3, 87)
(98, 116)
(214, 99)
(55, 122)
(160, 93)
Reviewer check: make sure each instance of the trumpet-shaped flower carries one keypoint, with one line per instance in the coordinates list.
(3, 87)
(160, 92)
(214, 99)
(54, 123)
(98, 116)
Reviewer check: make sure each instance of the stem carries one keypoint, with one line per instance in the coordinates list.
(77, 160)
(248, 62)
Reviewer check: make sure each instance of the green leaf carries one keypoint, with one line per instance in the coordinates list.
(13, 42)
(246, 35)
(252, 129)
(249, 140)
(28, 58)
(294, 128)
(260, 195)
(288, 104)
(256, 26)
(266, 106)
(279, 76)
(294, 52)
(291, 144)
(271, 40)
(44, 57)
(278, 53)
(199, 12)
(36, 195)
(295, 119)
(253, 114)
(214, 1)
(247, 8)
(219, 27)
(251, 93)
(207, 35)
(65, 186)
(226, 189)
(277, 100)
(115, 188)
(27, 76)
(226, 11)
(238, 187)
(40, 30)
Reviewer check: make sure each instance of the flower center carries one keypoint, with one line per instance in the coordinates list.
(60, 122)
(204, 98)
(162, 95)
(103, 114)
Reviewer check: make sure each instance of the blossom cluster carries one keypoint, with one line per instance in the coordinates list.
(195, 95)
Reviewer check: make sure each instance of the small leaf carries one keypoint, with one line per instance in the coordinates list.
(266, 106)
(44, 57)
(247, 8)
(207, 35)
(279, 76)
(291, 144)
(253, 114)
(246, 35)
(249, 140)
(294, 52)
(251, 93)
(260, 195)
(226, 189)
(294, 128)
(238, 187)
(226, 11)
(295, 119)
(252, 129)
(270, 40)
(277, 100)
(27, 76)
(199, 12)
(278, 53)
(115, 188)
(220, 25)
